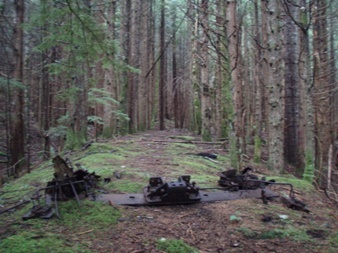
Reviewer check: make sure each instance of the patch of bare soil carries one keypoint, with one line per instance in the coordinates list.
(232, 226)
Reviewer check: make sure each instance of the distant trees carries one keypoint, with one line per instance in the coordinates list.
(224, 69)
(12, 82)
(323, 89)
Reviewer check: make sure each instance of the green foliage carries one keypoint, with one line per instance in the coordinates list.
(58, 131)
(233, 151)
(95, 119)
(258, 149)
(309, 171)
(108, 131)
(13, 83)
(235, 218)
(100, 96)
(175, 246)
(75, 140)
(206, 136)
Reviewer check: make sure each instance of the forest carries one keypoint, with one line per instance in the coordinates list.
(258, 75)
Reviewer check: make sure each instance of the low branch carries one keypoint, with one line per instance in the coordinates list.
(194, 142)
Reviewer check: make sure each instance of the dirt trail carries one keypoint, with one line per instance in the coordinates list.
(235, 226)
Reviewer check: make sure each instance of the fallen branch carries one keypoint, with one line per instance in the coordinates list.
(194, 142)
(10, 208)
(85, 232)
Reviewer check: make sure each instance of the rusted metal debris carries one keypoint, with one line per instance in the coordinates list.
(293, 203)
(233, 181)
(66, 184)
(174, 192)
(159, 192)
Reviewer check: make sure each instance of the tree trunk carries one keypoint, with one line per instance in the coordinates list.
(208, 132)
(275, 89)
(258, 83)
(144, 65)
(322, 89)
(232, 31)
(110, 117)
(293, 130)
(162, 69)
(17, 150)
(132, 61)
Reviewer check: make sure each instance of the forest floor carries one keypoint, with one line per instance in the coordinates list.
(246, 225)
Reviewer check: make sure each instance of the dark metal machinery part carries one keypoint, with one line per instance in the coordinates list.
(60, 190)
(53, 193)
(181, 191)
(139, 199)
(233, 181)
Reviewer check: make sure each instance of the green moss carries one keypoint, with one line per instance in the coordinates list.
(88, 215)
(333, 240)
(28, 242)
(26, 185)
(297, 183)
(289, 232)
(126, 186)
(175, 246)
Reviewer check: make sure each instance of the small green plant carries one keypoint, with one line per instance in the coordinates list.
(235, 218)
(289, 232)
(247, 232)
(175, 246)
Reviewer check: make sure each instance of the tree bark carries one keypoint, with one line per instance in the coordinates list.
(275, 89)
(208, 132)
(162, 69)
(17, 150)
(233, 33)
(293, 130)
(322, 89)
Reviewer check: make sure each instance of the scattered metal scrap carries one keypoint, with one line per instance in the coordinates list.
(293, 203)
(233, 181)
(66, 184)
(182, 191)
